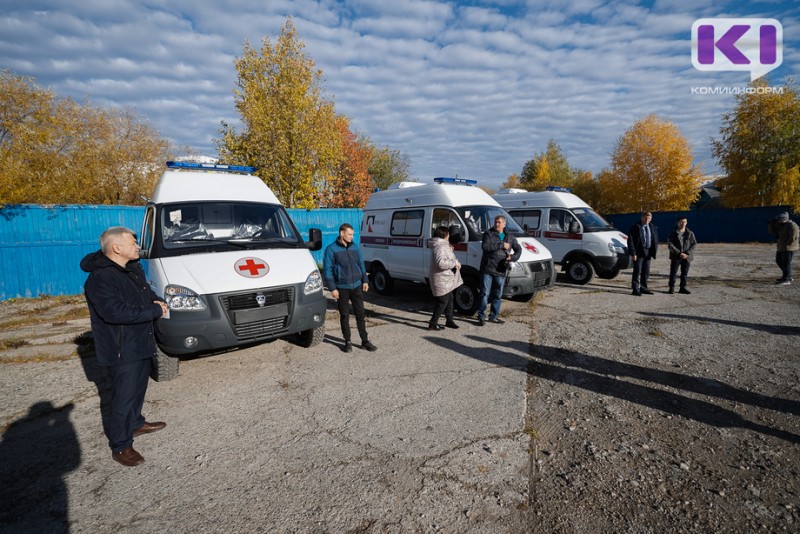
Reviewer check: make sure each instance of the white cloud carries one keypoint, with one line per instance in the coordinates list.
(474, 90)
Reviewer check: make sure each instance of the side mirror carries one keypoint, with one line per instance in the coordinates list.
(143, 255)
(574, 227)
(314, 242)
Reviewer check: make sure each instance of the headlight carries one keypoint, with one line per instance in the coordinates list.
(514, 267)
(313, 283)
(183, 299)
(616, 249)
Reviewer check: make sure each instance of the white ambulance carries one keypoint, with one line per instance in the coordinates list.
(581, 241)
(220, 248)
(398, 223)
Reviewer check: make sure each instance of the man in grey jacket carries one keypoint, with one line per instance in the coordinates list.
(681, 243)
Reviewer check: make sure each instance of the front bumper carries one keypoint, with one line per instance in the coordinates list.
(234, 319)
(535, 276)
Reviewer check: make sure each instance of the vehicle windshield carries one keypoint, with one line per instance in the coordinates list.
(481, 218)
(591, 220)
(235, 223)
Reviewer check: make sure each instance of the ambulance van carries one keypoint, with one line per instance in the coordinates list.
(581, 241)
(220, 248)
(398, 223)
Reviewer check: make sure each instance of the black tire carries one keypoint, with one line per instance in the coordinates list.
(608, 275)
(579, 272)
(311, 338)
(165, 367)
(467, 298)
(381, 281)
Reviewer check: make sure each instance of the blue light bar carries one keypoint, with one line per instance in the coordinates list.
(210, 167)
(444, 180)
(557, 188)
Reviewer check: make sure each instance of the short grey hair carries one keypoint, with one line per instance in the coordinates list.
(110, 236)
(499, 218)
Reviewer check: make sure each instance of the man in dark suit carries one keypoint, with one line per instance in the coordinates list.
(642, 247)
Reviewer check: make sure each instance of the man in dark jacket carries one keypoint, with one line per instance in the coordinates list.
(346, 278)
(642, 247)
(123, 310)
(681, 243)
(499, 249)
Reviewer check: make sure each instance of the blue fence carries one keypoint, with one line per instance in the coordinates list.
(41, 246)
(741, 225)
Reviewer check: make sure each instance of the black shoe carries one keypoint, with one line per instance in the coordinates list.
(646, 292)
(451, 324)
(685, 291)
(369, 346)
(496, 320)
(671, 290)
(636, 294)
(480, 321)
(435, 327)
(348, 347)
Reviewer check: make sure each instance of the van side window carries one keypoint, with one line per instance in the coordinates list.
(407, 223)
(148, 229)
(559, 220)
(528, 219)
(443, 217)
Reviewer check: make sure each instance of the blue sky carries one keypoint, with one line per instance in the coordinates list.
(470, 88)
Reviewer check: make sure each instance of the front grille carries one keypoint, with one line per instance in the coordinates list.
(249, 320)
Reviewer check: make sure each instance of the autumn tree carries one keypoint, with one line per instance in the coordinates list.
(651, 169)
(289, 130)
(54, 150)
(588, 188)
(759, 148)
(512, 182)
(350, 183)
(547, 168)
(388, 166)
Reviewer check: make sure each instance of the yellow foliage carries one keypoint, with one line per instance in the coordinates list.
(290, 130)
(651, 170)
(56, 151)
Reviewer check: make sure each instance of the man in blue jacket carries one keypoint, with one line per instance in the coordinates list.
(346, 278)
(123, 310)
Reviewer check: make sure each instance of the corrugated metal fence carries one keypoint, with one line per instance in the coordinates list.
(741, 225)
(41, 246)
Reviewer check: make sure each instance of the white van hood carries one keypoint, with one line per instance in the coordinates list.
(533, 250)
(220, 272)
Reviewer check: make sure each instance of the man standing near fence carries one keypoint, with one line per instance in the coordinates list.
(788, 234)
(642, 247)
(123, 310)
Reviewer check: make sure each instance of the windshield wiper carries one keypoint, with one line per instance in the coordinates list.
(200, 242)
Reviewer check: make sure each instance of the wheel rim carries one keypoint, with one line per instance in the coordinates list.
(465, 298)
(578, 271)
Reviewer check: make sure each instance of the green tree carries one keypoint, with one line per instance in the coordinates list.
(759, 148)
(548, 168)
(54, 150)
(289, 129)
(388, 166)
(651, 169)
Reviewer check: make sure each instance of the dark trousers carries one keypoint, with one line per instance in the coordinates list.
(356, 296)
(784, 261)
(444, 304)
(641, 272)
(674, 265)
(128, 388)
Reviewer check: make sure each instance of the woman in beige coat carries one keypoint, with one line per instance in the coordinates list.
(445, 276)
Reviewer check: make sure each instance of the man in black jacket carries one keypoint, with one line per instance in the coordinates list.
(499, 248)
(123, 310)
(642, 247)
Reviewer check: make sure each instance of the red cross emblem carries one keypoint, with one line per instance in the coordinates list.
(530, 247)
(251, 267)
